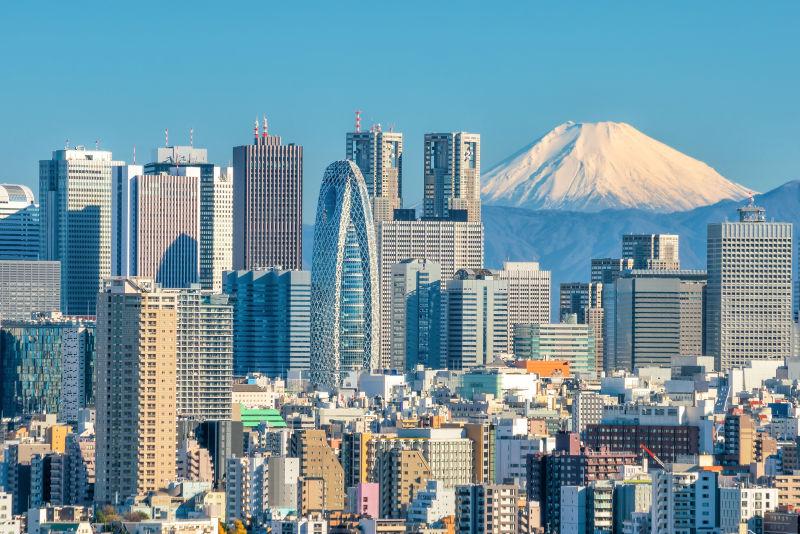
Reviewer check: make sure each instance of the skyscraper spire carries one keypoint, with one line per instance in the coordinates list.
(264, 126)
(255, 131)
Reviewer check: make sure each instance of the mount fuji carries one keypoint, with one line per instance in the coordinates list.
(590, 167)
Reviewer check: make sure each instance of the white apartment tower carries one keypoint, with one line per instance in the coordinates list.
(749, 294)
(75, 218)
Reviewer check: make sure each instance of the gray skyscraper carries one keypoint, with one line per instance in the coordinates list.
(216, 207)
(19, 223)
(749, 309)
(379, 156)
(475, 319)
(416, 314)
(75, 217)
(267, 203)
(27, 287)
(344, 278)
(452, 175)
(272, 320)
(652, 251)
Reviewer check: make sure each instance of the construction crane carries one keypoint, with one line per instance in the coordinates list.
(652, 455)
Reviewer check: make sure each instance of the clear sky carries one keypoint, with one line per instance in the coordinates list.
(717, 80)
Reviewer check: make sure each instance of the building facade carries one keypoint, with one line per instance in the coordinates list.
(379, 156)
(652, 251)
(416, 314)
(19, 223)
(452, 175)
(29, 286)
(345, 332)
(567, 341)
(528, 294)
(267, 203)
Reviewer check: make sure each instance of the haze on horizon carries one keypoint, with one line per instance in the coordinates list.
(715, 81)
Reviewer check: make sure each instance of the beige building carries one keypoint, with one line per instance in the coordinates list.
(528, 294)
(318, 460)
(135, 392)
(788, 490)
(401, 474)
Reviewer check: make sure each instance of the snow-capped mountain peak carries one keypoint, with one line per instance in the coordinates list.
(596, 166)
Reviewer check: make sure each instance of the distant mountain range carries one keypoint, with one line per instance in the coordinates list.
(605, 165)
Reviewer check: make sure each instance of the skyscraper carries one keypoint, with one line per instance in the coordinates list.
(19, 223)
(379, 156)
(606, 270)
(75, 218)
(475, 322)
(27, 287)
(452, 245)
(156, 226)
(578, 297)
(344, 278)
(216, 207)
(452, 175)
(272, 320)
(267, 203)
(652, 251)
(528, 294)
(416, 314)
(749, 306)
(136, 388)
(205, 355)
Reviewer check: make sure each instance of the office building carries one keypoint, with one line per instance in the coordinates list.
(475, 319)
(267, 203)
(488, 508)
(205, 355)
(19, 223)
(606, 270)
(652, 251)
(416, 314)
(578, 298)
(29, 286)
(528, 294)
(136, 388)
(318, 461)
(156, 226)
(567, 341)
(452, 245)
(654, 316)
(75, 218)
(47, 366)
(749, 306)
(379, 156)
(272, 320)
(344, 279)
(452, 175)
(216, 207)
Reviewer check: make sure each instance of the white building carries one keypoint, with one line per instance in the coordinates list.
(176, 526)
(684, 500)
(528, 294)
(247, 487)
(432, 504)
(299, 525)
(587, 408)
(745, 506)
(19, 230)
(749, 295)
(283, 475)
(567, 341)
(74, 340)
(8, 525)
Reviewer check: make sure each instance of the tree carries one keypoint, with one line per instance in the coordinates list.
(238, 527)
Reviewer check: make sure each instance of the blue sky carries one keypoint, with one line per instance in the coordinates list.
(717, 80)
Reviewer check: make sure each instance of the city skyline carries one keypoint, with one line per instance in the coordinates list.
(738, 116)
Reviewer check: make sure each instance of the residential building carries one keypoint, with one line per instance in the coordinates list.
(749, 306)
(432, 504)
(452, 175)
(75, 218)
(247, 488)
(19, 223)
(416, 314)
(379, 156)
(684, 500)
(267, 203)
(27, 287)
(319, 461)
(345, 333)
(741, 505)
(136, 388)
(487, 508)
(283, 475)
(272, 320)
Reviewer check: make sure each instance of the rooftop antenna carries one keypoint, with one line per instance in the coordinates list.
(255, 131)
(166, 136)
(264, 126)
(66, 144)
(191, 136)
(358, 120)
(134, 154)
(97, 144)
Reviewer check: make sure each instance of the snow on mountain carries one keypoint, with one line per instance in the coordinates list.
(595, 166)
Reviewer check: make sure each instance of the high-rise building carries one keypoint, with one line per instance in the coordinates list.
(283, 475)
(528, 294)
(452, 175)
(75, 218)
(29, 286)
(247, 488)
(216, 207)
(567, 341)
(654, 316)
(379, 156)
(205, 355)
(452, 245)
(136, 388)
(578, 297)
(19, 223)
(272, 320)
(319, 461)
(685, 495)
(606, 270)
(416, 314)
(652, 251)
(267, 203)
(474, 319)
(749, 306)
(46, 366)
(344, 278)
(487, 508)
(156, 226)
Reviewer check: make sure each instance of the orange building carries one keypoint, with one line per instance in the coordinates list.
(545, 368)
